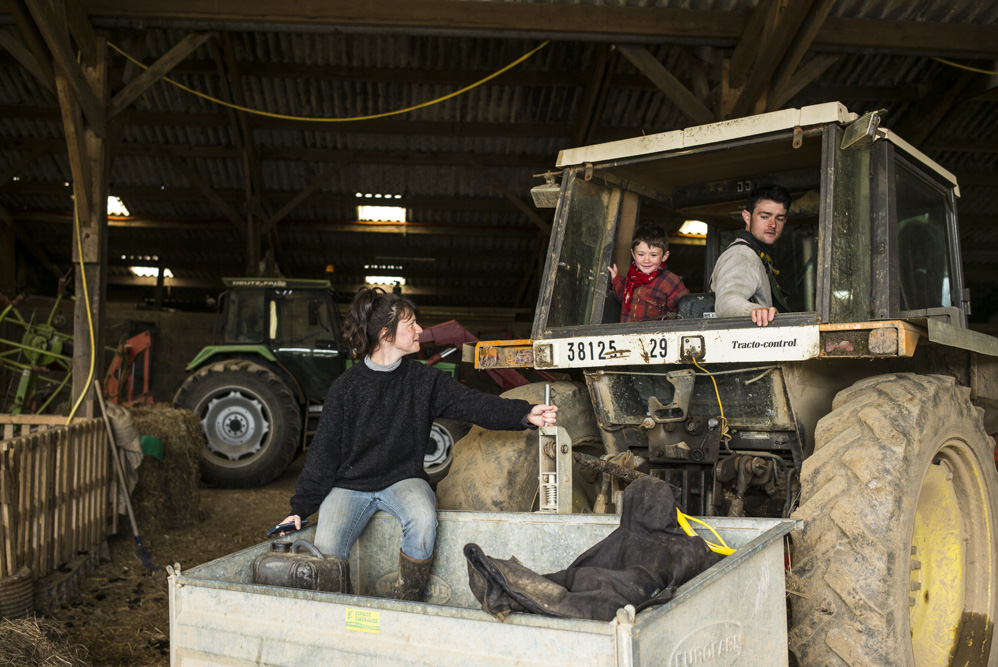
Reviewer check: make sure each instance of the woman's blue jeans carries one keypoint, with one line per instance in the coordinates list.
(344, 514)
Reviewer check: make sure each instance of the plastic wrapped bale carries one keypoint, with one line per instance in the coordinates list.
(167, 496)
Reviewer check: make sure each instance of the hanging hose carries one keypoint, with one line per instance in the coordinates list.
(314, 119)
(90, 317)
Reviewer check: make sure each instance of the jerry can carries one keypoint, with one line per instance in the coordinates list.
(285, 566)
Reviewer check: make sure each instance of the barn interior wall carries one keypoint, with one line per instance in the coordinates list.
(7, 263)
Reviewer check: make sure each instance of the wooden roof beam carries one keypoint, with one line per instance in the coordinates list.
(756, 34)
(921, 121)
(218, 197)
(298, 199)
(298, 226)
(33, 41)
(664, 80)
(529, 211)
(799, 47)
(802, 78)
(594, 94)
(10, 41)
(195, 179)
(155, 72)
(770, 54)
(352, 248)
(257, 209)
(408, 127)
(545, 21)
(51, 23)
(82, 32)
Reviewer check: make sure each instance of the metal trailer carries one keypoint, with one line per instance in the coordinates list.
(732, 614)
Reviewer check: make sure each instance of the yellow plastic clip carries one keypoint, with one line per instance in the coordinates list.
(684, 523)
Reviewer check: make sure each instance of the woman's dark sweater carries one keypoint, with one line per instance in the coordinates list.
(375, 425)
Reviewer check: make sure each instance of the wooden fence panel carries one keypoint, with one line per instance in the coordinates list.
(55, 491)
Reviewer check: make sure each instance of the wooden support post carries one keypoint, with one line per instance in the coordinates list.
(89, 161)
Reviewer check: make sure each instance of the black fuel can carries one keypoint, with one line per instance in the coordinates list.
(285, 565)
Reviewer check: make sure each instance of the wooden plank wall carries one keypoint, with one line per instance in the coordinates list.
(55, 492)
(15, 425)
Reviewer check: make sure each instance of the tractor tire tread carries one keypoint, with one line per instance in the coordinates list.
(854, 485)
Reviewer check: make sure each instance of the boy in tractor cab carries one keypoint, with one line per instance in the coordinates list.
(649, 291)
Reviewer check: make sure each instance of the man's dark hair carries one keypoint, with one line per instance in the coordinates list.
(770, 192)
(653, 235)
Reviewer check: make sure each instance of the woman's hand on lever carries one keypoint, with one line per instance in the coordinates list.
(542, 415)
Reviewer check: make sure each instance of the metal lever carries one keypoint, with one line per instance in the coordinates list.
(554, 466)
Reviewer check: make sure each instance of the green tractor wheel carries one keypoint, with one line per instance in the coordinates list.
(251, 419)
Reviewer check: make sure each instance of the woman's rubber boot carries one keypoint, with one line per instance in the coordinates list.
(412, 577)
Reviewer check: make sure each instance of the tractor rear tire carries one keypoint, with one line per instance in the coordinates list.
(897, 559)
(496, 471)
(251, 419)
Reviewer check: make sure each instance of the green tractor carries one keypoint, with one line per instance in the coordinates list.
(260, 392)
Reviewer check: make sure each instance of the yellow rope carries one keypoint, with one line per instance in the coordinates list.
(340, 120)
(966, 67)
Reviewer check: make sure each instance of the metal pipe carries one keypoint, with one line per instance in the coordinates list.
(598, 464)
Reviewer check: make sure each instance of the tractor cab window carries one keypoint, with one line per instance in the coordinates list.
(578, 275)
(794, 256)
(598, 230)
(244, 316)
(924, 247)
(602, 206)
(301, 318)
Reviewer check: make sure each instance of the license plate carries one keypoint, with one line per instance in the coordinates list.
(752, 345)
(605, 351)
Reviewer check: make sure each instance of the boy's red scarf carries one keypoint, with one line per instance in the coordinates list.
(634, 279)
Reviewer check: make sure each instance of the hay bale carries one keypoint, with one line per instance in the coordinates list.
(38, 641)
(167, 496)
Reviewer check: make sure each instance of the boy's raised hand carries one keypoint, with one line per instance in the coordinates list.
(613, 271)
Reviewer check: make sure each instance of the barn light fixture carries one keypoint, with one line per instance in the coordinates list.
(368, 213)
(116, 207)
(694, 228)
(381, 213)
(384, 281)
(149, 271)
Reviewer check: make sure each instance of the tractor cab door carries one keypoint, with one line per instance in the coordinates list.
(303, 333)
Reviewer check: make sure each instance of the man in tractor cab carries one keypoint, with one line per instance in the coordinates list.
(744, 279)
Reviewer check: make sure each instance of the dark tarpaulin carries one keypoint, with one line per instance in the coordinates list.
(641, 563)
